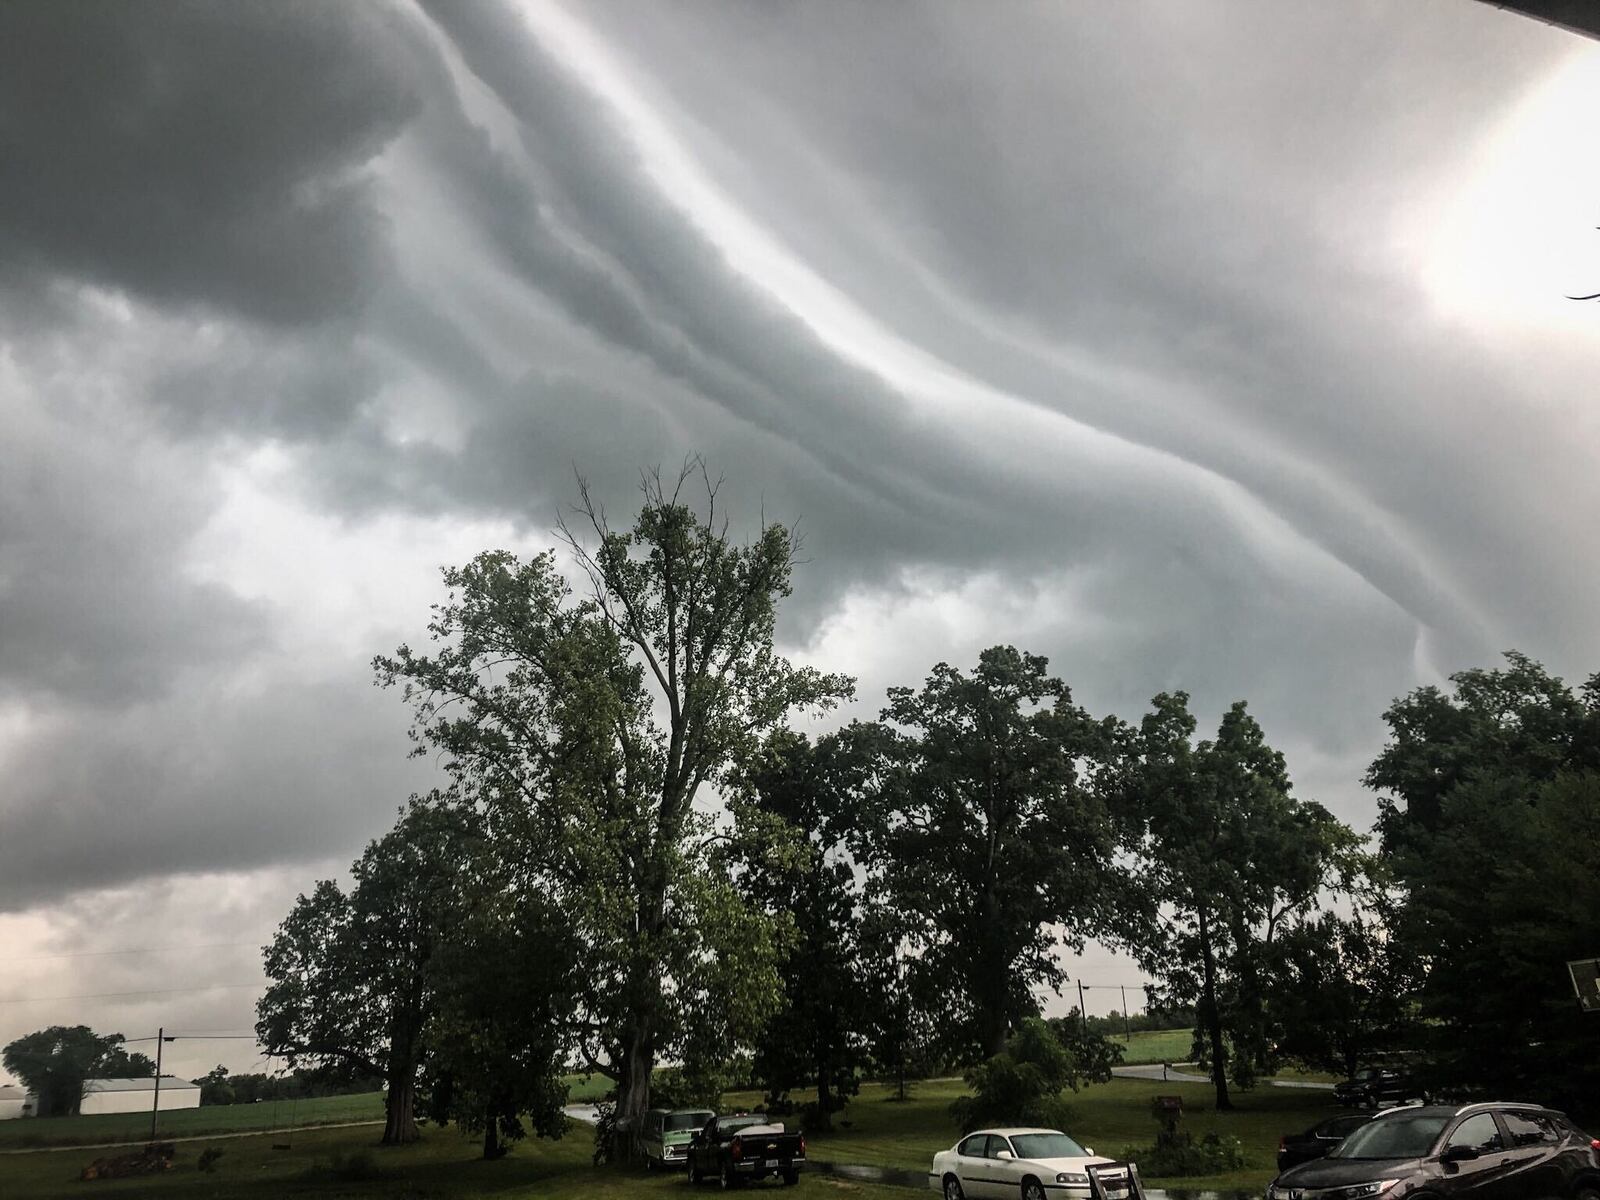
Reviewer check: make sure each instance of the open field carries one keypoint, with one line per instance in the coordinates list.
(188, 1122)
(586, 1089)
(444, 1166)
(1156, 1046)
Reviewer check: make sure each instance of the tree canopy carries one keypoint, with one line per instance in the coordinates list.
(54, 1063)
(1232, 859)
(1488, 794)
(598, 719)
(994, 840)
(351, 985)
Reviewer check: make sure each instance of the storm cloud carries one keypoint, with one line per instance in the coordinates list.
(1217, 346)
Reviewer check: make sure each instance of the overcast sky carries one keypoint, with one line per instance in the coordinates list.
(1216, 346)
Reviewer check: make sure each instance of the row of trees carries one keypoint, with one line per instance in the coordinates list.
(890, 896)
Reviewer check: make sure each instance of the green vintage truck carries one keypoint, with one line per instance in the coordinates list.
(667, 1133)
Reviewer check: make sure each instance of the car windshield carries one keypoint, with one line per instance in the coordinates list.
(1046, 1145)
(678, 1122)
(1392, 1137)
(729, 1124)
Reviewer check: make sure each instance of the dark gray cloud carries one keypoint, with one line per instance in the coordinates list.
(1085, 327)
(200, 153)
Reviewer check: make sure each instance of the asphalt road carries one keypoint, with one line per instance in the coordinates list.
(1179, 1075)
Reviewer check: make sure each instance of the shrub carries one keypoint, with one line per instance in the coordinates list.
(1022, 1085)
(1181, 1156)
(207, 1161)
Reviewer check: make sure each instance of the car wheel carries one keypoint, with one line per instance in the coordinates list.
(694, 1174)
(952, 1188)
(1032, 1189)
(790, 1178)
(1587, 1193)
(727, 1178)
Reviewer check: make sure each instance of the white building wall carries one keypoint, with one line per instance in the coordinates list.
(11, 1107)
(140, 1101)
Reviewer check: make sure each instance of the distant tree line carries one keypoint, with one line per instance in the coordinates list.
(217, 1086)
(895, 897)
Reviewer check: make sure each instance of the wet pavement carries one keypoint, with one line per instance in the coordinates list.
(900, 1177)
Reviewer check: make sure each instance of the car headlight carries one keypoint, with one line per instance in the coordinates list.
(1360, 1191)
(1072, 1177)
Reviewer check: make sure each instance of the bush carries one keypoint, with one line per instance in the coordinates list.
(1022, 1085)
(1178, 1155)
(207, 1161)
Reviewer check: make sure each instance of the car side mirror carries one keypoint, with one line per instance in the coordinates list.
(1005, 1156)
(1455, 1154)
(1088, 1149)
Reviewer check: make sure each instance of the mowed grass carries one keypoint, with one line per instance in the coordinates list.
(1109, 1117)
(875, 1129)
(1157, 1046)
(444, 1166)
(227, 1118)
(189, 1122)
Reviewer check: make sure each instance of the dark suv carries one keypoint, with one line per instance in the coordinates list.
(1482, 1151)
(1296, 1148)
(1371, 1086)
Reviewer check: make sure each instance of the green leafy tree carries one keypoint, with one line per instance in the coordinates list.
(996, 844)
(1487, 793)
(505, 981)
(214, 1086)
(1346, 992)
(1517, 723)
(1233, 860)
(897, 1017)
(805, 869)
(55, 1063)
(601, 719)
(1022, 1085)
(351, 986)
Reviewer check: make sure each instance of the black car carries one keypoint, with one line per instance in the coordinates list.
(1296, 1148)
(1438, 1152)
(1372, 1086)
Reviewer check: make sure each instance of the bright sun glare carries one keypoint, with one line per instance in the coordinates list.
(1517, 236)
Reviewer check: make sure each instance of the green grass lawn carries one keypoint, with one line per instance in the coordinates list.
(444, 1166)
(220, 1118)
(1157, 1046)
(586, 1089)
(874, 1129)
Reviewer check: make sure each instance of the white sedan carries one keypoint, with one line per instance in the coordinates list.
(1029, 1163)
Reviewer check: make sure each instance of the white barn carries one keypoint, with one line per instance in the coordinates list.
(137, 1095)
(14, 1102)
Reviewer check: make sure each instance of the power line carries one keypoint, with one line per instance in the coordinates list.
(146, 950)
(209, 987)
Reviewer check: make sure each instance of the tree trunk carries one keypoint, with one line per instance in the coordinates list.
(633, 1093)
(1211, 1018)
(824, 1100)
(491, 1136)
(400, 1120)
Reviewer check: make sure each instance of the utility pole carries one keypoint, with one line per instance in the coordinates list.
(155, 1105)
(1083, 1011)
(1127, 1028)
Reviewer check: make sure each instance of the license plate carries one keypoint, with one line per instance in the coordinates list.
(772, 1162)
